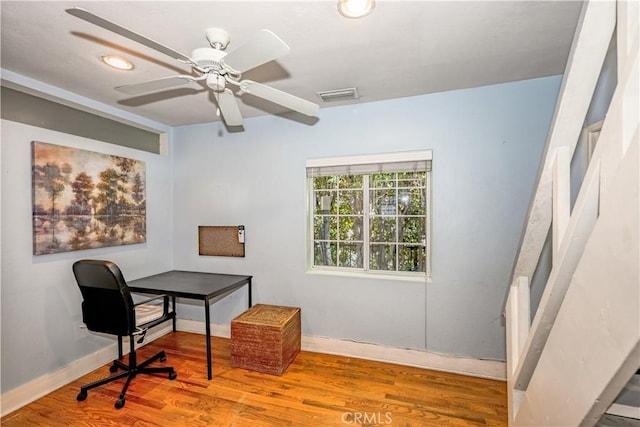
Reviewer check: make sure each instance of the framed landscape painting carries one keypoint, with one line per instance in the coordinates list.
(84, 200)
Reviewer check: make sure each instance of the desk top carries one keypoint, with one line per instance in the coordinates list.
(189, 284)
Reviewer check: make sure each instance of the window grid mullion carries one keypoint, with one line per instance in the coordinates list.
(427, 225)
(365, 222)
(397, 246)
(338, 243)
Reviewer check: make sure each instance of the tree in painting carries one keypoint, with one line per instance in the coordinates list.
(82, 188)
(53, 178)
(137, 193)
(110, 188)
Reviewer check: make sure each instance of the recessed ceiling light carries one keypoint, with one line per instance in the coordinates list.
(355, 8)
(117, 62)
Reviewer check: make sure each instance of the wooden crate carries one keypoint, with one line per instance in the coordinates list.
(265, 338)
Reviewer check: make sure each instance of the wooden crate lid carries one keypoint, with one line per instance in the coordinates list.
(267, 315)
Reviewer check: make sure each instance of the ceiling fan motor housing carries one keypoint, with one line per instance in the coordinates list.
(208, 58)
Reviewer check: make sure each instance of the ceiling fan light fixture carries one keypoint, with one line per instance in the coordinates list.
(355, 8)
(118, 62)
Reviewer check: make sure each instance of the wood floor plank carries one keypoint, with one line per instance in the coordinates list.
(316, 390)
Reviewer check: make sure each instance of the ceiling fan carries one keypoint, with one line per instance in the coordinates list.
(216, 67)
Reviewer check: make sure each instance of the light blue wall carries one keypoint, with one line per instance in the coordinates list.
(41, 317)
(487, 143)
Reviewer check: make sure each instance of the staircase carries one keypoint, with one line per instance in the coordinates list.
(567, 365)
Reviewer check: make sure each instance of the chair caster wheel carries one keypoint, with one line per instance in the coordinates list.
(173, 376)
(81, 396)
(119, 403)
(113, 368)
(163, 358)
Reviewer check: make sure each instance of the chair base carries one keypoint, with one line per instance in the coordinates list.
(129, 371)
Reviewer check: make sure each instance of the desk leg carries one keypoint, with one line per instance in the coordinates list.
(207, 327)
(249, 288)
(173, 307)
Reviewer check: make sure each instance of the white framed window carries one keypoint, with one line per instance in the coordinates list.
(370, 213)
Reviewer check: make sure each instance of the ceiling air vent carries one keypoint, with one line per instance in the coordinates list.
(338, 94)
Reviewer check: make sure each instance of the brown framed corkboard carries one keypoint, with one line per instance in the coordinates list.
(216, 240)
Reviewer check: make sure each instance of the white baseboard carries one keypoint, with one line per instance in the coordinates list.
(33, 390)
(422, 359)
(491, 369)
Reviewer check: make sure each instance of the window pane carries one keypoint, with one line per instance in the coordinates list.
(382, 229)
(383, 201)
(350, 228)
(350, 202)
(412, 230)
(350, 181)
(350, 255)
(324, 253)
(325, 202)
(412, 258)
(325, 182)
(382, 180)
(411, 179)
(382, 257)
(325, 227)
(411, 201)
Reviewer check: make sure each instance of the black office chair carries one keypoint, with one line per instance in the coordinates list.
(108, 307)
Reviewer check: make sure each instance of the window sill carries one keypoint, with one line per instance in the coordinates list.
(376, 276)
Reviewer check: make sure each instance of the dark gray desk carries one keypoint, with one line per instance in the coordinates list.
(193, 285)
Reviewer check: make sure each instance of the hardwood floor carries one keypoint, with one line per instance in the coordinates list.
(316, 390)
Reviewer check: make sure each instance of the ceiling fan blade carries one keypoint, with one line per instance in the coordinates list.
(155, 85)
(125, 32)
(229, 108)
(263, 47)
(279, 97)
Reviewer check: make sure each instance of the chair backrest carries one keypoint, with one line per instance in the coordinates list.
(107, 305)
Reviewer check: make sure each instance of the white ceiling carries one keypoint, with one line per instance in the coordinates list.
(403, 48)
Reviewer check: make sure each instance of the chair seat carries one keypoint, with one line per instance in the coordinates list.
(146, 313)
